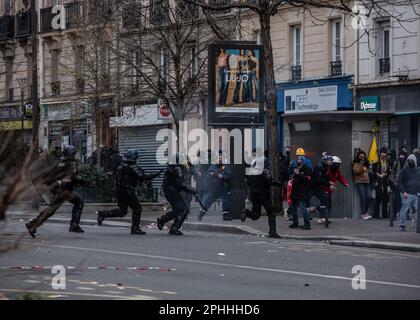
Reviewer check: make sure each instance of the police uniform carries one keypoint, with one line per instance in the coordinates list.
(174, 185)
(129, 175)
(259, 190)
(62, 179)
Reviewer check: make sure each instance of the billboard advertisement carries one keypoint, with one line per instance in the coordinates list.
(236, 86)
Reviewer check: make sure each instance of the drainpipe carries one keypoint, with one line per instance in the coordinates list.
(356, 79)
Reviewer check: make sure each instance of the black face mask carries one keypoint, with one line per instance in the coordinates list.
(335, 167)
(411, 164)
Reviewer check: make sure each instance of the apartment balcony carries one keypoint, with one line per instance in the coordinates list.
(186, 10)
(296, 73)
(384, 65)
(219, 3)
(336, 68)
(46, 20)
(159, 12)
(74, 14)
(7, 27)
(23, 21)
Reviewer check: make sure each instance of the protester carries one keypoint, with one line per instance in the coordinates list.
(397, 167)
(409, 183)
(300, 193)
(362, 182)
(382, 171)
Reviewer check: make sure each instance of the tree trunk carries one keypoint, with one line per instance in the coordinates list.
(271, 108)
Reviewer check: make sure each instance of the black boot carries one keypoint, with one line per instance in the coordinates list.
(102, 215)
(179, 220)
(76, 216)
(31, 228)
(161, 222)
(272, 226)
(245, 213)
(175, 232)
(274, 235)
(135, 226)
(75, 228)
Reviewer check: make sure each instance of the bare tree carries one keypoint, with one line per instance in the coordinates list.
(163, 47)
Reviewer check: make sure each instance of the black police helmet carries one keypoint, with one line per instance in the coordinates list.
(131, 155)
(70, 151)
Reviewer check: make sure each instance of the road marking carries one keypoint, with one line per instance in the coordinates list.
(92, 295)
(229, 265)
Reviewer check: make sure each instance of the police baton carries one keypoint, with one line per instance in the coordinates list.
(199, 202)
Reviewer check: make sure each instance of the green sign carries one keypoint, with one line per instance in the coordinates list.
(369, 104)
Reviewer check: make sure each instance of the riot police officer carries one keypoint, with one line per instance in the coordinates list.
(259, 184)
(129, 175)
(174, 184)
(62, 179)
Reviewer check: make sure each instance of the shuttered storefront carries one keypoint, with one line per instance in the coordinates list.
(143, 139)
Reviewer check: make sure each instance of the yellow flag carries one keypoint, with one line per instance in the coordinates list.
(373, 153)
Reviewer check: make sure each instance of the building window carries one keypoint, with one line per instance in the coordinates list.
(159, 12)
(136, 71)
(9, 78)
(131, 15)
(336, 59)
(55, 61)
(384, 43)
(163, 69)
(186, 10)
(296, 68)
(336, 41)
(257, 36)
(297, 45)
(193, 61)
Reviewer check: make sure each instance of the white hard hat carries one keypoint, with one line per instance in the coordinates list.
(336, 159)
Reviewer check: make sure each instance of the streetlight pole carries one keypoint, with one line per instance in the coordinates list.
(22, 83)
(35, 102)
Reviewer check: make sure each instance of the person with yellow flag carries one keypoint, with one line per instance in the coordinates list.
(373, 153)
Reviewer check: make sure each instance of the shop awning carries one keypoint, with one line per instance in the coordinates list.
(336, 115)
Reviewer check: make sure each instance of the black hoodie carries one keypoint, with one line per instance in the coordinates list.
(409, 179)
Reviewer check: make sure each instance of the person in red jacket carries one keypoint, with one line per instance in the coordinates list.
(334, 175)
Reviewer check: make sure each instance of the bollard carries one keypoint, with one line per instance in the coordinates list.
(418, 214)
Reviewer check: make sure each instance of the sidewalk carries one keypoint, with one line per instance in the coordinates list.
(374, 233)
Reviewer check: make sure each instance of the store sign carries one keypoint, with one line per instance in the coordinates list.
(143, 115)
(369, 104)
(164, 112)
(28, 110)
(8, 113)
(311, 99)
(15, 125)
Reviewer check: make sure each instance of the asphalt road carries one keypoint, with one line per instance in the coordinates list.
(108, 263)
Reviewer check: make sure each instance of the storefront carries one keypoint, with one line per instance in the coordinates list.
(12, 118)
(62, 126)
(138, 128)
(319, 116)
(403, 101)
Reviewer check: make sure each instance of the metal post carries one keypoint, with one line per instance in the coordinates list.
(418, 214)
(35, 102)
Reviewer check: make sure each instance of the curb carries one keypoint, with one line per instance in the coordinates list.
(378, 245)
(246, 230)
